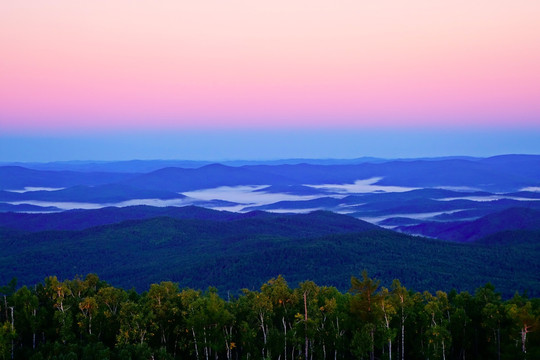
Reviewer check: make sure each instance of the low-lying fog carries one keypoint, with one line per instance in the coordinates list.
(34, 188)
(248, 197)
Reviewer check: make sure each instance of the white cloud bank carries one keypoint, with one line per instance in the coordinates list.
(361, 187)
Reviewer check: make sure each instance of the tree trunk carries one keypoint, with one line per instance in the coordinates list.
(372, 353)
(34, 311)
(205, 345)
(402, 335)
(5, 306)
(12, 329)
(143, 334)
(523, 338)
(261, 317)
(227, 346)
(285, 330)
(387, 321)
(443, 355)
(337, 334)
(195, 341)
(498, 343)
(306, 319)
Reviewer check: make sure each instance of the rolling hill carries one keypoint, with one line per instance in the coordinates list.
(241, 251)
(467, 231)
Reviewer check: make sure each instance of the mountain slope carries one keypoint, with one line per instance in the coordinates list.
(16, 177)
(83, 219)
(108, 193)
(209, 176)
(466, 231)
(502, 174)
(244, 251)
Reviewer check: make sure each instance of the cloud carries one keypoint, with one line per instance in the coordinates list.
(361, 186)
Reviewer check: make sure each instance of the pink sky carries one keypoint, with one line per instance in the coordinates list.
(171, 64)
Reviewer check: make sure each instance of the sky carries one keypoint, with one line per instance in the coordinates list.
(216, 80)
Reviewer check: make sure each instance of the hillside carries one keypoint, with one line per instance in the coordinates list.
(83, 219)
(466, 231)
(108, 193)
(243, 251)
(17, 177)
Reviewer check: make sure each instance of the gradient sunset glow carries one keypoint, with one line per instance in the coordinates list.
(108, 66)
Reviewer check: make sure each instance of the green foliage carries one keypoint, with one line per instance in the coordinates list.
(246, 251)
(89, 319)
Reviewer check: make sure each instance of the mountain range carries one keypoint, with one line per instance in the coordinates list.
(197, 247)
(236, 226)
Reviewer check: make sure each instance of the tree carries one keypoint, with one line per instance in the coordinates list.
(493, 315)
(388, 310)
(283, 301)
(437, 308)
(7, 335)
(109, 300)
(260, 311)
(136, 323)
(164, 304)
(89, 308)
(190, 310)
(402, 302)
(521, 313)
(364, 304)
(461, 324)
(59, 293)
(26, 311)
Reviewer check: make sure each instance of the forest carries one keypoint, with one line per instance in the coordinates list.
(197, 247)
(86, 318)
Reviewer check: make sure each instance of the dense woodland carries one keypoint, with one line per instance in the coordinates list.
(197, 247)
(89, 319)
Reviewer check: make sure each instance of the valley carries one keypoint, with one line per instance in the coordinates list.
(236, 226)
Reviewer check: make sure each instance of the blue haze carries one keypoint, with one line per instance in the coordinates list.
(221, 145)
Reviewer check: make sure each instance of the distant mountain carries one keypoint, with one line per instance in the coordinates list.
(508, 173)
(490, 176)
(445, 189)
(26, 208)
(209, 176)
(145, 166)
(467, 231)
(16, 177)
(83, 219)
(399, 221)
(404, 204)
(511, 238)
(365, 159)
(129, 166)
(109, 193)
(243, 251)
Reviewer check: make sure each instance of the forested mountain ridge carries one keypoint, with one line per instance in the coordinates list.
(17, 177)
(505, 220)
(83, 219)
(232, 251)
(501, 173)
(384, 192)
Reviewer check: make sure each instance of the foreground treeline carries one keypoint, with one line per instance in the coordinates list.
(89, 319)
